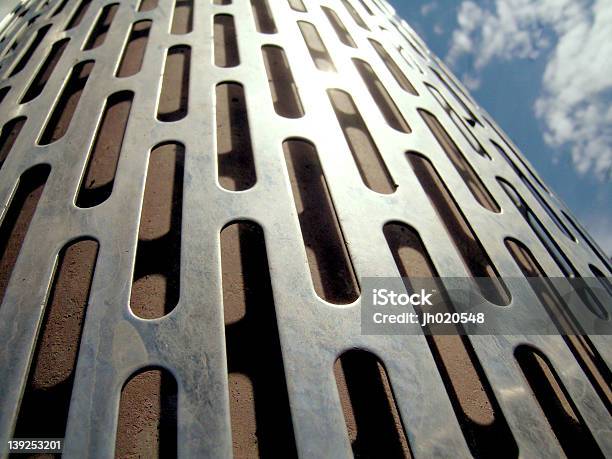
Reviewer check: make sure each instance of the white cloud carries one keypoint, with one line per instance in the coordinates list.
(428, 8)
(576, 101)
(438, 29)
(470, 81)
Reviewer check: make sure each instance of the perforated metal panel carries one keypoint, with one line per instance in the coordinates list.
(366, 73)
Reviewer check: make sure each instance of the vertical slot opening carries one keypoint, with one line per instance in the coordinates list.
(226, 45)
(17, 220)
(182, 19)
(563, 262)
(259, 402)
(366, 7)
(394, 69)
(51, 376)
(15, 44)
(451, 80)
(517, 156)
(156, 284)
(343, 35)
(62, 114)
(45, 71)
(174, 95)
(586, 238)
(330, 265)
(3, 92)
(469, 113)
(8, 135)
(147, 5)
(463, 167)
(470, 249)
(355, 15)
(537, 227)
(78, 15)
(409, 37)
(97, 185)
(264, 21)
(372, 419)
(234, 149)
(297, 5)
(285, 95)
(479, 415)
(563, 417)
(33, 20)
(603, 279)
(59, 8)
(25, 58)
(381, 97)
(459, 122)
(103, 24)
(147, 424)
(536, 194)
(370, 163)
(316, 47)
(135, 48)
(580, 345)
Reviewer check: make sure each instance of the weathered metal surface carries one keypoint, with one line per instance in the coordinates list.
(190, 341)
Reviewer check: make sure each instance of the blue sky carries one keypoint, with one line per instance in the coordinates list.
(543, 70)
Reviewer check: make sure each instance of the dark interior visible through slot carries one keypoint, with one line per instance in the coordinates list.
(297, 5)
(182, 19)
(259, 404)
(17, 220)
(343, 35)
(156, 286)
(234, 150)
(367, 157)
(285, 95)
(398, 74)
(100, 30)
(147, 5)
(383, 100)
(134, 51)
(45, 71)
(25, 58)
(372, 419)
(8, 136)
(473, 254)
(51, 376)
(61, 116)
(147, 425)
(78, 15)
(536, 194)
(97, 185)
(330, 265)
(463, 167)
(174, 95)
(558, 255)
(264, 21)
(226, 44)
(480, 417)
(579, 344)
(355, 15)
(316, 47)
(563, 417)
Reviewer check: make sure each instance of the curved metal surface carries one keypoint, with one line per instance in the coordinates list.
(190, 341)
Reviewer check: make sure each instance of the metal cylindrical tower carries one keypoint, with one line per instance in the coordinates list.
(191, 193)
